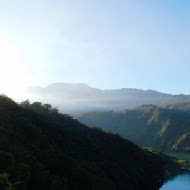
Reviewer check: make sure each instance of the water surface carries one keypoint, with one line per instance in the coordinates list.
(180, 182)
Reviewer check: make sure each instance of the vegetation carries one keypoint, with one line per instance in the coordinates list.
(43, 149)
(181, 156)
(185, 106)
(165, 129)
(5, 183)
(173, 163)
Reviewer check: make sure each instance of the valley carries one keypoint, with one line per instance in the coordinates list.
(148, 125)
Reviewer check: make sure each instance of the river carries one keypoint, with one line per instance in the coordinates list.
(180, 182)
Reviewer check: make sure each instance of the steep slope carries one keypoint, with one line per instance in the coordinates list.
(79, 98)
(43, 149)
(147, 126)
(180, 106)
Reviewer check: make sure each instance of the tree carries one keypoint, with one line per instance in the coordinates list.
(6, 184)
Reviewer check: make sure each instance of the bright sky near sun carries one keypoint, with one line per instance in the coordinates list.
(107, 44)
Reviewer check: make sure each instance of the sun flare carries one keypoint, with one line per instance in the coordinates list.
(12, 76)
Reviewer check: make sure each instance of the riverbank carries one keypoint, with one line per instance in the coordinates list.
(181, 182)
(173, 163)
(180, 155)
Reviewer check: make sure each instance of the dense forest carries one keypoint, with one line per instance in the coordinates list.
(43, 149)
(148, 125)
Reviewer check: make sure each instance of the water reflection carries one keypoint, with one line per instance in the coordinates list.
(180, 182)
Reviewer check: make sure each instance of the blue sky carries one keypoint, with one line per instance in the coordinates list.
(107, 44)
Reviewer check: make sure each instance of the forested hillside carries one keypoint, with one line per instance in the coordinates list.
(180, 106)
(43, 149)
(166, 129)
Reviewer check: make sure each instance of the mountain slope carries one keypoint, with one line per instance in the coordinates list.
(80, 98)
(43, 149)
(147, 126)
(180, 106)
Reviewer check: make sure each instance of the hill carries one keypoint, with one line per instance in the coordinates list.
(148, 125)
(43, 149)
(185, 106)
(77, 98)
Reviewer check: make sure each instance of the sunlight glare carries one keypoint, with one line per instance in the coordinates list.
(12, 76)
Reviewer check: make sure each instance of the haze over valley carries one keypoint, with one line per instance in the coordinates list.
(77, 98)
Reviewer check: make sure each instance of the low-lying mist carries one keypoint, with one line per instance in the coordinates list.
(77, 98)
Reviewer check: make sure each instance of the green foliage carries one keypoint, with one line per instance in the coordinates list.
(181, 156)
(47, 150)
(184, 106)
(6, 184)
(172, 162)
(148, 125)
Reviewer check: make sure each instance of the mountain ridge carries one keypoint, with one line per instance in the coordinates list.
(147, 125)
(80, 97)
(105, 89)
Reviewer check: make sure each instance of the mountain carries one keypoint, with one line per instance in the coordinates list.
(43, 149)
(79, 98)
(185, 106)
(148, 125)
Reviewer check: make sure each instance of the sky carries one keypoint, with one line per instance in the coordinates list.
(108, 44)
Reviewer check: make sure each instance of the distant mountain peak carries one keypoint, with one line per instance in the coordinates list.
(71, 85)
(71, 97)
